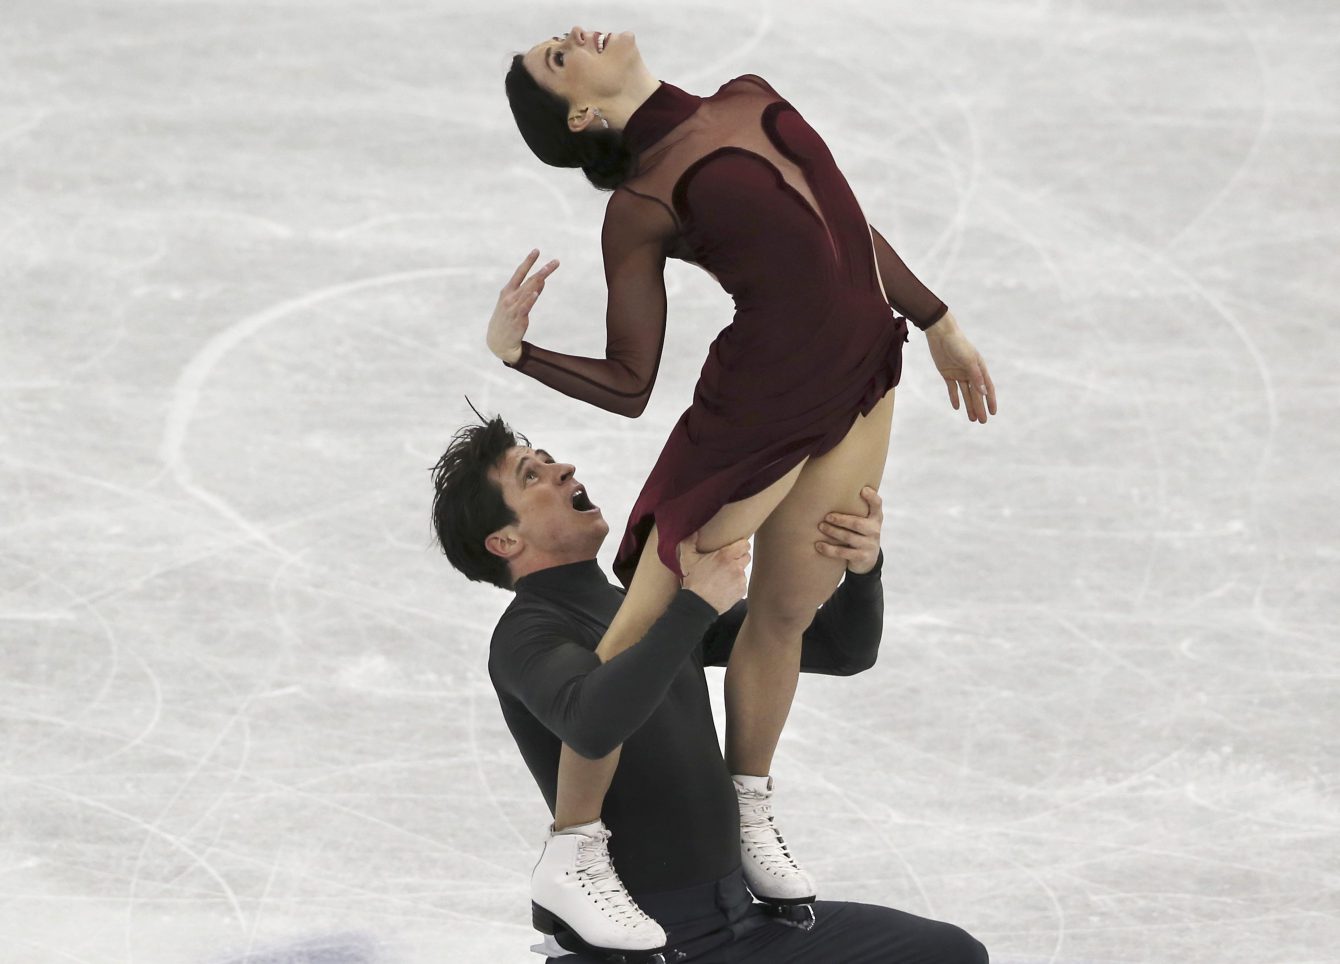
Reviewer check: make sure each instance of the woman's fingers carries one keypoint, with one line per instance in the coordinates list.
(519, 274)
(953, 392)
(969, 401)
(522, 291)
(976, 397)
(982, 400)
(536, 280)
(530, 291)
(990, 389)
(520, 300)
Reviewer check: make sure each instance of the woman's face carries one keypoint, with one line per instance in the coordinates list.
(584, 66)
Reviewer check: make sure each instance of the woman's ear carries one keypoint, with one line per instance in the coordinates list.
(579, 121)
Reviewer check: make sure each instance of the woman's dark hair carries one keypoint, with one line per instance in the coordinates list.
(542, 118)
(468, 506)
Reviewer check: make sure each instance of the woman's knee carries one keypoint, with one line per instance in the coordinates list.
(785, 595)
(781, 619)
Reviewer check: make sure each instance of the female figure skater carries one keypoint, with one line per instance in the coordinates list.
(790, 416)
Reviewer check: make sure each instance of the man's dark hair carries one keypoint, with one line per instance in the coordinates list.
(467, 505)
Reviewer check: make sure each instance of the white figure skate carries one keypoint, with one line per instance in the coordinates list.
(580, 904)
(771, 872)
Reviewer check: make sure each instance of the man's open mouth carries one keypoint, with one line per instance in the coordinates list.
(581, 502)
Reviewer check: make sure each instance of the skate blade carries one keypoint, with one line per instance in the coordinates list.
(799, 916)
(784, 901)
(557, 933)
(550, 948)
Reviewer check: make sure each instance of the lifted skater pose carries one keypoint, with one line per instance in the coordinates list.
(790, 416)
(671, 809)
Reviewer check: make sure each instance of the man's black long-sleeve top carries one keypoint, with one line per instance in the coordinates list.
(672, 806)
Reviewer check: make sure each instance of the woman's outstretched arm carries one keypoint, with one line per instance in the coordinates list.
(904, 291)
(959, 363)
(633, 242)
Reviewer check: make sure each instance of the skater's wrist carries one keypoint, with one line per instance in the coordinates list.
(695, 606)
(871, 573)
(945, 325)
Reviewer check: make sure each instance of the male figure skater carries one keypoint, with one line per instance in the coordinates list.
(685, 834)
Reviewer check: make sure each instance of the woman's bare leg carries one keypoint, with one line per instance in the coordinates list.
(583, 783)
(790, 580)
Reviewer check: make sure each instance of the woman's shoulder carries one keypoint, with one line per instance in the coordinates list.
(633, 215)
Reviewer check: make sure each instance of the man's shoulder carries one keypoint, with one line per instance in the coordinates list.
(527, 618)
(525, 611)
(528, 608)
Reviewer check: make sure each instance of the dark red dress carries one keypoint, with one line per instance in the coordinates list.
(739, 184)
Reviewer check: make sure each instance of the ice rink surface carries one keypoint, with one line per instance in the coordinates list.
(248, 251)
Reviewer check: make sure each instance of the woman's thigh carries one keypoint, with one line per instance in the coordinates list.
(784, 520)
(653, 585)
(788, 572)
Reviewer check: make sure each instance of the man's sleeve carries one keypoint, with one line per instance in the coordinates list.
(592, 706)
(843, 639)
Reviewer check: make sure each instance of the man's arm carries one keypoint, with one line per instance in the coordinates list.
(845, 635)
(593, 701)
(843, 639)
(592, 706)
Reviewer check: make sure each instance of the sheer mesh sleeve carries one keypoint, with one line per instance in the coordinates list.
(633, 240)
(905, 292)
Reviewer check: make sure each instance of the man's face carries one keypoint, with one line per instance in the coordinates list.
(556, 522)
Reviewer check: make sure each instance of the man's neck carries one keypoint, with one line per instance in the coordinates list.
(522, 567)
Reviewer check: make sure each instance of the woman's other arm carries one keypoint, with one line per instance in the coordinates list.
(633, 241)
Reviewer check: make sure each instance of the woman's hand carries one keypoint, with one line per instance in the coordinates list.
(962, 368)
(511, 317)
(854, 538)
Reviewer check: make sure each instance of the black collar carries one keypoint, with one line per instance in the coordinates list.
(567, 583)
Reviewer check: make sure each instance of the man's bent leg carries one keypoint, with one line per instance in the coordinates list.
(847, 933)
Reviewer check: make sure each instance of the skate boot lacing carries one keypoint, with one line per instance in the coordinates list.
(598, 878)
(761, 839)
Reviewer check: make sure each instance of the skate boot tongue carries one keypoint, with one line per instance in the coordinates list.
(595, 868)
(753, 784)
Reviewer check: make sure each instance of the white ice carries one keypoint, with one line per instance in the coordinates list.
(247, 251)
